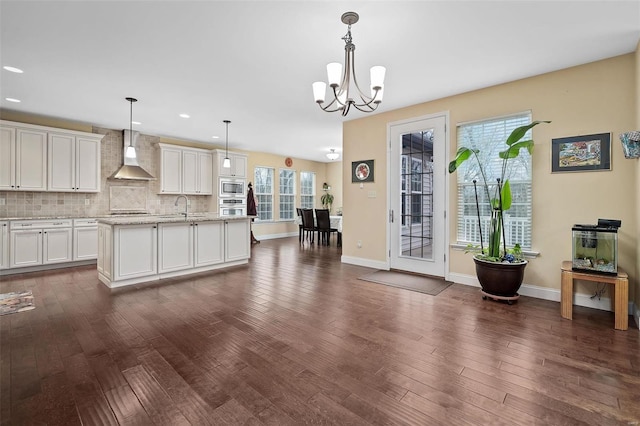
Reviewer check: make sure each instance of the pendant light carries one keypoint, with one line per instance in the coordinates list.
(226, 163)
(333, 155)
(131, 151)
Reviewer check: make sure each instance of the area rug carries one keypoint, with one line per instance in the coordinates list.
(20, 301)
(420, 283)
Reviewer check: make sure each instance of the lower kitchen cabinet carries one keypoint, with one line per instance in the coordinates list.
(85, 239)
(4, 245)
(135, 251)
(189, 245)
(57, 245)
(26, 247)
(130, 253)
(34, 243)
(208, 243)
(175, 246)
(237, 240)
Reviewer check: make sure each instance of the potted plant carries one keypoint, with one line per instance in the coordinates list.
(499, 269)
(326, 200)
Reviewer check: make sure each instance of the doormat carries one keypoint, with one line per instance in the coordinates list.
(421, 283)
(20, 301)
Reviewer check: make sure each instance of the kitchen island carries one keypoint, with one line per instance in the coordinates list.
(143, 248)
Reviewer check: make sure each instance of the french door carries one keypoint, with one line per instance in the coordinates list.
(417, 195)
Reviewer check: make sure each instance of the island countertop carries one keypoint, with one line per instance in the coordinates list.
(166, 218)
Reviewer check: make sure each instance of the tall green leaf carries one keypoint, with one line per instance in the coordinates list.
(506, 195)
(519, 132)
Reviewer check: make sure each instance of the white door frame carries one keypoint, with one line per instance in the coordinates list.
(447, 142)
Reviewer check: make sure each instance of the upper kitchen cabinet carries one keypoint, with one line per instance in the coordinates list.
(23, 159)
(197, 172)
(73, 163)
(238, 164)
(185, 170)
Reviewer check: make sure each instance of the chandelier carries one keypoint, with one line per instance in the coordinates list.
(347, 93)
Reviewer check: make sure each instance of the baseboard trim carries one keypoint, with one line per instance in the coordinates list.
(49, 266)
(545, 293)
(359, 261)
(276, 236)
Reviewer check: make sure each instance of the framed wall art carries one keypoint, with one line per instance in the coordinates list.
(581, 153)
(362, 171)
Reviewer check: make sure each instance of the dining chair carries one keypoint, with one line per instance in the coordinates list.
(308, 225)
(323, 225)
(299, 213)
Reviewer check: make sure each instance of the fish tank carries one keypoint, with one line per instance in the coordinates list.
(595, 247)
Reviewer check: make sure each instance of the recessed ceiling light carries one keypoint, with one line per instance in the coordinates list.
(13, 69)
(215, 137)
(13, 100)
(136, 122)
(184, 115)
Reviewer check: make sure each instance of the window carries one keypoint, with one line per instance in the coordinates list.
(489, 137)
(307, 190)
(263, 190)
(287, 194)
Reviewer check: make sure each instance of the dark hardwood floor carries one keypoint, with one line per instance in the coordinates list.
(295, 338)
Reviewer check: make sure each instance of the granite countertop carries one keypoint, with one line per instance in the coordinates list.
(130, 219)
(168, 218)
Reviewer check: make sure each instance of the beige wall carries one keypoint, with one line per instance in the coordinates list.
(592, 98)
(334, 179)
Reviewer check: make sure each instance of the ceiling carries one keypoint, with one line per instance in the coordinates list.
(254, 62)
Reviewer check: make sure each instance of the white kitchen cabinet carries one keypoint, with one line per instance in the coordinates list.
(208, 243)
(40, 242)
(85, 239)
(57, 245)
(189, 244)
(170, 169)
(105, 251)
(185, 170)
(175, 246)
(238, 164)
(23, 159)
(4, 245)
(73, 163)
(26, 248)
(237, 240)
(197, 172)
(135, 251)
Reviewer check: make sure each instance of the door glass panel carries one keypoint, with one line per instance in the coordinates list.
(417, 194)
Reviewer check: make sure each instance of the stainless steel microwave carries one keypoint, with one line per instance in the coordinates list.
(230, 187)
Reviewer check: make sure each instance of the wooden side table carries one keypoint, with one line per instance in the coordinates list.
(620, 291)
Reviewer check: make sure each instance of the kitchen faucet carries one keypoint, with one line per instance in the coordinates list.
(186, 204)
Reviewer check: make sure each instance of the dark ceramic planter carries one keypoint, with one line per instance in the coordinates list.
(500, 279)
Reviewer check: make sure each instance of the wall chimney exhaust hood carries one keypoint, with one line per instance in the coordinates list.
(131, 170)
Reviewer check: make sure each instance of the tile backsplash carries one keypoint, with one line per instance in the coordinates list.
(38, 204)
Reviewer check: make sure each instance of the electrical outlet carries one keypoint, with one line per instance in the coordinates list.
(359, 243)
(2, 201)
(372, 194)
(86, 202)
